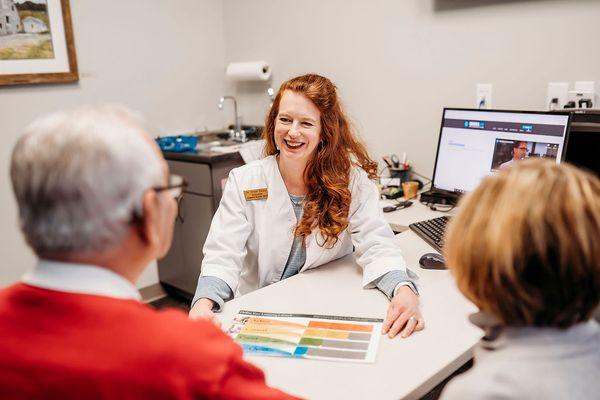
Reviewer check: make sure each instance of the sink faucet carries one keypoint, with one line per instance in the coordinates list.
(238, 134)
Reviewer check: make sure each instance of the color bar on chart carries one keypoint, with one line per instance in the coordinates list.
(340, 326)
(331, 334)
(338, 344)
(329, 353)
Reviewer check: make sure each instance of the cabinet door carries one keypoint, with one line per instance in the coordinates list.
(181, 266)
(197, 175)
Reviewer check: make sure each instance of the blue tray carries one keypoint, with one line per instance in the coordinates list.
(177, 144)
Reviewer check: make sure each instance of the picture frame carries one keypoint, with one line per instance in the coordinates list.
(36, 44)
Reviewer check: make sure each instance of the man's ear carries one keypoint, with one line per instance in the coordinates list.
(148, 226)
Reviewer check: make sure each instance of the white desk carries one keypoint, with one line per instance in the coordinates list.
(404, 368)
(400, 219)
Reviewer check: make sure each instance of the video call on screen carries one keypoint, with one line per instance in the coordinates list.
(477, 143)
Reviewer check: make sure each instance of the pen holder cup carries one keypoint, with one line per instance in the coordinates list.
(410, 189)
(402, 173)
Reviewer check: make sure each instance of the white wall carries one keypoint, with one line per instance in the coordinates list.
(398, 63)
(163, 58)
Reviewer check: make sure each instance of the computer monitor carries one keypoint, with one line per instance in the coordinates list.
(477, 143)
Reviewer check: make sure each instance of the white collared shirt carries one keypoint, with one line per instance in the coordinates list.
(81, 279)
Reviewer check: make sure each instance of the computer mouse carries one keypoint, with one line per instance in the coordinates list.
(432, 261)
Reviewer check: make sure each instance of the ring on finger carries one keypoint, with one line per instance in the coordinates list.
(413, 319)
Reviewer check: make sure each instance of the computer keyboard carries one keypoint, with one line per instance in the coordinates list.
(432, 231)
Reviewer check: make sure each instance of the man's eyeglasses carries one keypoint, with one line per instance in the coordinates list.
(175, 187)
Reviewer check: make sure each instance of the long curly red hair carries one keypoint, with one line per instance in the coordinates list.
(327, 173)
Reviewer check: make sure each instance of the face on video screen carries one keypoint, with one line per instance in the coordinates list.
(506, 152)
(520, 151)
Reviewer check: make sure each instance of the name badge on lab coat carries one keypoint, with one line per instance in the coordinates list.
(256, 194)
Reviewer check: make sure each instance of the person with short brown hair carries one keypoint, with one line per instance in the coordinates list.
(519, 152)
(525, 248)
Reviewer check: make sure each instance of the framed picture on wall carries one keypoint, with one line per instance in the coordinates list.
(36, 42)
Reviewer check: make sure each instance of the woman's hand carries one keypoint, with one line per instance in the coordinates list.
(202, 309)
(403, 314)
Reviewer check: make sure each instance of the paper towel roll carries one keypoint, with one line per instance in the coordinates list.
(249, 71)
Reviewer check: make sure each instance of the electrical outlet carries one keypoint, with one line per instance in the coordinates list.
(557, 95)
(483, 95)
(584, 95)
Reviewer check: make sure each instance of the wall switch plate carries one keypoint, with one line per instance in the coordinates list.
(558, 91)
(483, 95)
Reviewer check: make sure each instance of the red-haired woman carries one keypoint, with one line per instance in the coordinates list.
(308, 202)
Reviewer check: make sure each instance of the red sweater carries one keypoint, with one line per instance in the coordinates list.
(59, 345)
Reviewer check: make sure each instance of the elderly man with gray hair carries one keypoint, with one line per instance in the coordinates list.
(96, 205)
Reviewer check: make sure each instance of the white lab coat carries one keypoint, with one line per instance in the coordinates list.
(249, 241)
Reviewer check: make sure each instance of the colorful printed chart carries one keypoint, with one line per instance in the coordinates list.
(324, 337)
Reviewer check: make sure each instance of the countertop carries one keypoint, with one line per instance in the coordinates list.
(203, 157)
(212, 157)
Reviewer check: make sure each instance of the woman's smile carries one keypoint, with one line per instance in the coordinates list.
(293, 145)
